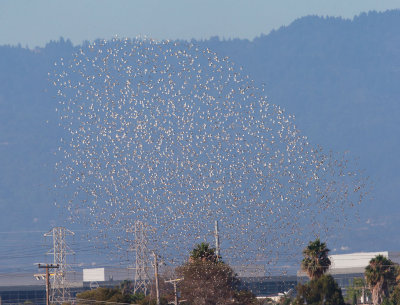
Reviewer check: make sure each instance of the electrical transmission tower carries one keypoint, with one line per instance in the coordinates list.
(59, 287)
(141, 270)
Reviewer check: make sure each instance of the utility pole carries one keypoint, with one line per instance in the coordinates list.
(156, 278)
(47, 267)
(175, 283)
(216, 234)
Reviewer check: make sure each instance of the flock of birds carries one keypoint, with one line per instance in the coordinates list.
(174, 136)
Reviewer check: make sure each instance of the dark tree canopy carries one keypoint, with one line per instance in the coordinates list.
(121, 294)
(355, 291)
(103, 294)
(395, 297)
(209, 281)
(321, 291)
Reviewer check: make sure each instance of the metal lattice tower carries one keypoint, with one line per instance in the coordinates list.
(59, 286)
(141, 270)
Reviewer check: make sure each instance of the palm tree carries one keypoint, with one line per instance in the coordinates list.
(379, 275)
(316, 261)
(203, 252)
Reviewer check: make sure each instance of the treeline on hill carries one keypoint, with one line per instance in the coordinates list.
(206, 279)
(339, 77)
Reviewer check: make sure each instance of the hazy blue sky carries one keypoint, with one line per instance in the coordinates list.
(35, 22)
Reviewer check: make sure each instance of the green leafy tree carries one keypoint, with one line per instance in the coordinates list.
(148, 300)
(319, 291)
(356, 290)
(316, 261)
(386, 301)
(380, 275)
(395, 296)
(103, 294)
(245, 297)
(126, 287)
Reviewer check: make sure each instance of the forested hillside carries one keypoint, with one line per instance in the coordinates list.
(340, 78)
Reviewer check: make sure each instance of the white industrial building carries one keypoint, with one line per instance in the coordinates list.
(356, 262)
(109, 275)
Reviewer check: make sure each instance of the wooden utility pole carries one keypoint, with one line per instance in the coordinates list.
(47, 267)
(156, 278)
(216, 234)
(175, 283)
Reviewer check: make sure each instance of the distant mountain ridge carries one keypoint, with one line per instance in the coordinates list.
(341, 78)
